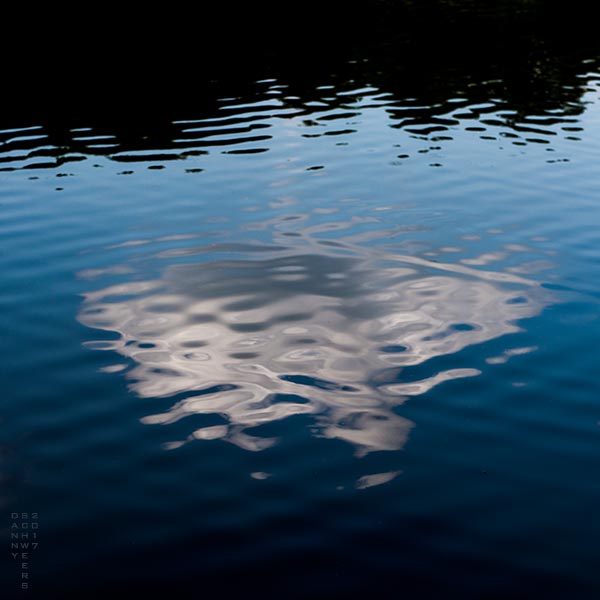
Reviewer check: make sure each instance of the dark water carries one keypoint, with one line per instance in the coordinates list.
(312, 320)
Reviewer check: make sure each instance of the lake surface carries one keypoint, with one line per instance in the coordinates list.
(314, 322)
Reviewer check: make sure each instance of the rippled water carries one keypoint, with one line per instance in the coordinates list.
(318, 329)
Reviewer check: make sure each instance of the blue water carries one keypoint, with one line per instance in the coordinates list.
(314, 340)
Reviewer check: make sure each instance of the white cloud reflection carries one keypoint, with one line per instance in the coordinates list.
(367, 481)
(308, 328)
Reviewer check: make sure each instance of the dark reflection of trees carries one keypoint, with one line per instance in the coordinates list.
(527, 53)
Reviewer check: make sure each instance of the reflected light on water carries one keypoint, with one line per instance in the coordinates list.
(302, 328)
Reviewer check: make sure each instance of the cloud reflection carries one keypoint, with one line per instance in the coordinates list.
(307, 328)
(367, 481)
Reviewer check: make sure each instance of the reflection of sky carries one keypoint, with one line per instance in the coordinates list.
(258, 333)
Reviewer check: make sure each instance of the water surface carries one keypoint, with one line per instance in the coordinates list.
(314, 324)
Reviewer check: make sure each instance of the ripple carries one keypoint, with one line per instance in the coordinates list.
(360, 315)
(341, 271)
(234, 125)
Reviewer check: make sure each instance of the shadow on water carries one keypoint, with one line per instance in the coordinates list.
(433, 63)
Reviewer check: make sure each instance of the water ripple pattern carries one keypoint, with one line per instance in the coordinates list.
(304, 316)
(253, 124)
(303, 328)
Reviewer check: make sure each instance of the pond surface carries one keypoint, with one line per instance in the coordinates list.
(318, 322)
